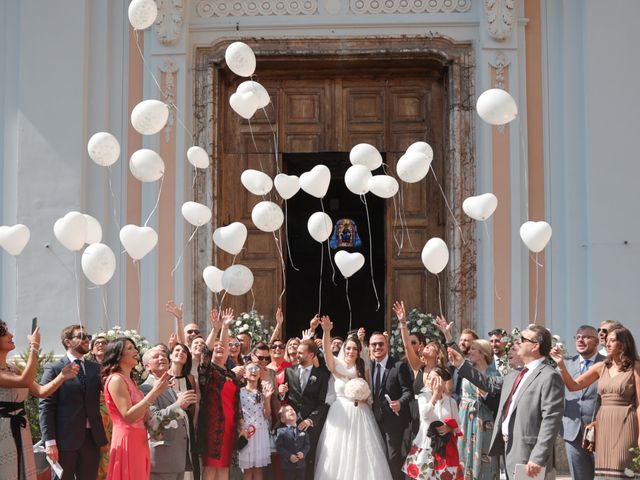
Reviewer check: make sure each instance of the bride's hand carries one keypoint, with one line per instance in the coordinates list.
(326, 323)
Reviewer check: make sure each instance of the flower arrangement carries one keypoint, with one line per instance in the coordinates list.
(510, 338)
(634, 465)
(425, 323)
(254, 324)
(156, 426)
(357, 390)
(139, 373)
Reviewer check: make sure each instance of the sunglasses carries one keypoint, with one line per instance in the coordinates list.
(82, 336)
(603, 330)
(376, 344)
(525, 339)
(192, 331)
(414, 342)
(253, 369)
(277, 346)
(234, 344)
(263, 358)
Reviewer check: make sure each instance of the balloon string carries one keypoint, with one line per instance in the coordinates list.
(525, 169)
(193, 183)
(403, 218)
(77, 282)
(233, 262)
(395, 232)
(253, 304)
(183, 249)
(535, 260)
(346, 289)
(48, 247)
(15, 324)
(493, 262)
(333, 270)
(286, 232)
(136, 264)
(320, 283)
(439, 294)
(278, 242)
(255, 146)
(535, 311)
(155, 207)
(105, 320)
(448, 207)
(114, 197)
(364, 197)
(273, 133)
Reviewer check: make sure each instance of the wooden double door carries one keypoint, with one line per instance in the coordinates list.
(321, 110)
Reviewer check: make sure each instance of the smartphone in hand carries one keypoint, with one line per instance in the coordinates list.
(34, 324)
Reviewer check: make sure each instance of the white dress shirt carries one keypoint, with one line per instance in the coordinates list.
(531, 366)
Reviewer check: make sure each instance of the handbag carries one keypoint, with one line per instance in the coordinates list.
(589, 435)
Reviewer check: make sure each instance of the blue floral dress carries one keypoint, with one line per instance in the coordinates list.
(476, 425)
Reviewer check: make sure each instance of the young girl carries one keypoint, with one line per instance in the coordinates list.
(256, 410)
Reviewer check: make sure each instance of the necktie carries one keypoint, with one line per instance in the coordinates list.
(376, 374)
(585, 366)
(81, 376)
(507, 404)
(303, 378)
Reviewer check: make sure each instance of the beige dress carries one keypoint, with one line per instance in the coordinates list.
(9, 456)
(617, 428)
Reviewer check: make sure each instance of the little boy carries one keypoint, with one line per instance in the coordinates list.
(292, 445)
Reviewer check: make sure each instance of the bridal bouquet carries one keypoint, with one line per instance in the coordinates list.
(357, 389)
(156, 426)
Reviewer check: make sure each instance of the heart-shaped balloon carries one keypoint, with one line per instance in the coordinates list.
(365, 154)
(316, 181)
(384, 186)
(356, 178)
(98, 263)
(267, 216)
(146, 165)
(319, 226)
(213, 278)
(198, 157)
(257, 182)
(413, 166)
(149, 116)
(348, 263)
(496, 107)
(244, 104)
(196, 213)
(13, 239)
(258, 90)
(71, 230)
(94, 230)
(237, 280)
(287, 185)
(231, 238)
(138, 241)
(480, 207)
(535, 235)
(435, 255)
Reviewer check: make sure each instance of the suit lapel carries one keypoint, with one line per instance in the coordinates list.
(294, 379)
(527, 383)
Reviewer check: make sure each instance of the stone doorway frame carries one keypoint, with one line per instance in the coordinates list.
(457, 58)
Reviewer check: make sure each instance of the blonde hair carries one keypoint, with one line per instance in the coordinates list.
(485, 348)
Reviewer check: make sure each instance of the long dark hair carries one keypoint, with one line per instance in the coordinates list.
(359, 360)
(113, 355)
(186, 368)
(628, 352)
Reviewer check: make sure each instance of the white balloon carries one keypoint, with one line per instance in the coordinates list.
(142, 13)
(422, 147)
(367, 155)
(319, 226)
(149, 116)
(413, 167)
(94, 230)
(244, 104)
(231, 238)
(257, 182)
(535, 235)
(384, 186)
(198, 157)
(287, 185)
(103, 149)
(258, 90)
(348, 263)
(146, 165)
(213, 278)
(13, 239)
(497, 107)
(98, 263)
(316, 181)
(71, 230)
(240, 59)
(435, 255)
(356, 178)
(196, 213)
(267, 216)
(237, 280)
(138, 241)
(480, 207)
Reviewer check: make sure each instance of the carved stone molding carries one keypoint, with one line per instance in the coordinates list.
(169, 68)
(501, 64)
(255, 8)
(363, 7)
(168, 25)
(500, 18)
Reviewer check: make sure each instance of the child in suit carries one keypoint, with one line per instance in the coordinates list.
(292, 444)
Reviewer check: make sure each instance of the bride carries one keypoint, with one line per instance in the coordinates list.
(350, 444)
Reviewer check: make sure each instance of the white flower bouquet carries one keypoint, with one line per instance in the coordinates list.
(424, 323)
(139, 373)
(254, 324)
(156, 426)
(357, 390)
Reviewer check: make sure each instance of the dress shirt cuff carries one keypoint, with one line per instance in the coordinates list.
(50, 443)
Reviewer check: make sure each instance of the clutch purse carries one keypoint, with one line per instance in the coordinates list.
(589, 437)
(241, 442)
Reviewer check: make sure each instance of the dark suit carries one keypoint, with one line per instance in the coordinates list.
(64, 416)
(309, 404)
(535, 419)
(396, 382)
(289, 442)
(579, 408)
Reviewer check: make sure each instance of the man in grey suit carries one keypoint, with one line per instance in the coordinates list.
(531, 404)
(579, 406)
(170, 454)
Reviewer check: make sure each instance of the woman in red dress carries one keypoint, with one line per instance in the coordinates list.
(220, 414)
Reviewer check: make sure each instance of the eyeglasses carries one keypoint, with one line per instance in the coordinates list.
(82, 336)
(525, 339)
(193, 331)
(583, 337)
(99, 342)
(277, 346)
(253, 369)
(234, 344)
(376, 344)
(603, 330)
(414, 342)
(263, 358)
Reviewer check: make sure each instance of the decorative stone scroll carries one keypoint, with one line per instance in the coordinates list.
(363, 7)
(255, 8)
(501, 64)
(500, 18)
(168, 25)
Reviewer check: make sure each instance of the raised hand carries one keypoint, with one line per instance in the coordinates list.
(279, 316)
(34, 338)
(163, 383)
(214, 318)
(187, 398)
(398, 309)
(70, 371)
(444, 327)
(175, 310)
(267, 390)
(361, 334)
(227, 317)
(307, 334)
(315, 321)
(326, 323)
(173, 341)
(556, 354)
(455, 357)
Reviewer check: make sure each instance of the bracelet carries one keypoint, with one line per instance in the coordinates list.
(35, 348)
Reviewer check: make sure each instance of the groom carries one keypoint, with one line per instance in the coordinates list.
(392, 378)
(305, 389)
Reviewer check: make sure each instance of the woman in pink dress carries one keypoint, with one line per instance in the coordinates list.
(129, 456)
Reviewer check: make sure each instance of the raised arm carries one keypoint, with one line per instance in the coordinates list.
(122, 399)
(216, 326)
(445, 328)
(327, 325)
(581, 381)
(412, 358)
(277, 332)
(28, 375)
(479, 379)
(67, 373)
(175, 310)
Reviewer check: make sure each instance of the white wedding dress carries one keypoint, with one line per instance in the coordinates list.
(350, 445)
